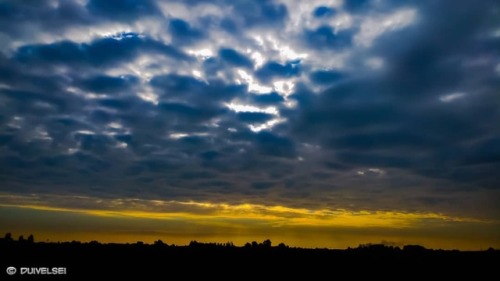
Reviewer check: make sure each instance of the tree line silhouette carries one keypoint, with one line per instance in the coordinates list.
(87, 258)
(266, 244)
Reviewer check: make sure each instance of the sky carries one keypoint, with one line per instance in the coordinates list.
(321, 123)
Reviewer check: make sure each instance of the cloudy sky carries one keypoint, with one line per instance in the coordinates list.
(318, 123)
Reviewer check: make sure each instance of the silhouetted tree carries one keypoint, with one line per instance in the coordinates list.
(8, 237)
(255, 244)
(267, 243)
(31, 239)
(21, 238)
(159, 243)
(414, 248)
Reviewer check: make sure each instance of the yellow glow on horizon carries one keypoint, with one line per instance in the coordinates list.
(275, 216)
(127, 220)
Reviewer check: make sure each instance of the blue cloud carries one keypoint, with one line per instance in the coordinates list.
(96, 143)
(396, 139)
(65, 51)
(272, 70)
(117, 103)
(324, 12)
(326, 76)
(234, 58)
(183, 33)
(357, 5)
(25, 101)
(108, 84)
(122, 10)
(325, 37)
(261, 12)
(272, 98)
(254, 117)
(173, 84)
(189, 113)
(21, 19)
(484, 152)
(262, 185)
(210, 155)
(274, 145)
(100, 52)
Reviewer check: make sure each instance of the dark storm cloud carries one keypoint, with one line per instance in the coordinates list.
(326, 37)
(270, 144)
(323, 11)
(191, 113)
(326, 77)
(190, 107)
(262, 185)
(248, 14)
(276, 70)
(235, 58)
(66, 138)
(187, 99)
(261, 12)
(272, 98)
(173, 84)
(100, 52)
(400, 120)
(183, 32)
(122, 10)
(254, 117)
(108, 84)
(357, 5)
(18, 17)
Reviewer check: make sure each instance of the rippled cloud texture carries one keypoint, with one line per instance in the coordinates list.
(350, 107)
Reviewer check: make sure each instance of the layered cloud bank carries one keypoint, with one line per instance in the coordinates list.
(382, 106)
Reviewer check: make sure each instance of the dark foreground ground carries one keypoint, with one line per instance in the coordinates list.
(92, 261)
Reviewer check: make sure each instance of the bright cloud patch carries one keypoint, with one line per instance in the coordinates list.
(452, 97)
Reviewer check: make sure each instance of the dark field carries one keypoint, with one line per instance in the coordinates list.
(225, 260)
